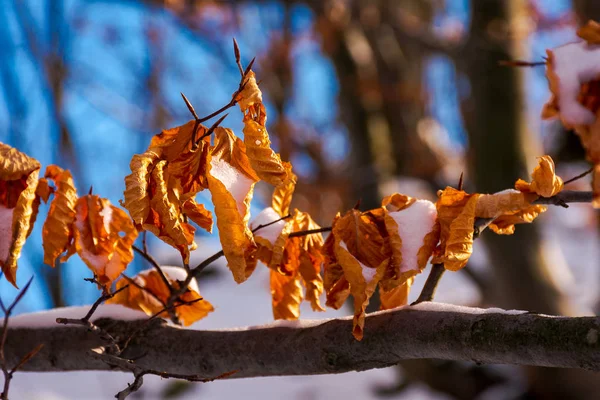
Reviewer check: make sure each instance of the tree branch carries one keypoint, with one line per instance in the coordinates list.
(428, 330)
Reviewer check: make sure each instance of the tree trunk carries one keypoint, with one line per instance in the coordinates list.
(501, 148)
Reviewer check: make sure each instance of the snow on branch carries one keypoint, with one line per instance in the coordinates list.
(428, 330)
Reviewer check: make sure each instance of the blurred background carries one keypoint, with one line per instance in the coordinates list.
(365, 97)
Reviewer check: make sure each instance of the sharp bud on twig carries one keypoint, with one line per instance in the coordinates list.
(215, 125)
(460, 181)
(189, 106)
(249, 67)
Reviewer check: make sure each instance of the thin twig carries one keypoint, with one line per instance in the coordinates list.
(144, 244)
(236, 53)
(139, 372)
(213, 127)
(8, 373)
(521, 63)
(573, 179)
(428, 292)
(85, 321)
(270, 223)
(154, 264)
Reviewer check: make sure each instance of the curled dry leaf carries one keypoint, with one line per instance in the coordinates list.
(57, 232)
(282, 195)
(18, 181)
(590, 32)
(396, 297)
(137, 195)
(103, 237)
(358, 244)
(160, 191)
(544, 181)
(165, 219)
(575, 88)
(264, 160)
(456, 217)
(231, 184)
(147, 292)
(291, 260)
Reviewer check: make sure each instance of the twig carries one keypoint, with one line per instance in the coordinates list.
(85, 321)
(310, 232)
(573, 179)
(521, 63)
(144, 245)
(437, 271)
(236, 52)
(154, 263)
(139, 372)
(8, 373)
(213, 127)
(270, 223)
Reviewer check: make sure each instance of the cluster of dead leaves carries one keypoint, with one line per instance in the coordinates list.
(388, 246)
(573, 73)
(90, 226)
(148, 292)
(292, 260)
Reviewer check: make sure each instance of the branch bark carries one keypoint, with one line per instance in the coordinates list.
(326, 347)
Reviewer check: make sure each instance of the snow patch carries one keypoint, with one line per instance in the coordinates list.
(414, 223)
(271, 232)
(234, 181)
(444, 307)
(174, 273)
(6, 217)
(574, 64)
(47, 319)
(367, 272)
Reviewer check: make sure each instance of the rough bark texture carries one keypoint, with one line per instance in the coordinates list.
(327, 347)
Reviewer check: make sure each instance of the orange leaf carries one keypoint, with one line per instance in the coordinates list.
(282, 195)
(57, 232)
(456, 216)
(362, 279)
(199, 214)
(231, 189)
(169, 144)
(137, 196)
(264, 160)
(104, 235)
(590, 32)
(505, 224)
(18, 181)
(396, 297)
(286, 292)
(165, 219)
(544, 181)
(152, 293)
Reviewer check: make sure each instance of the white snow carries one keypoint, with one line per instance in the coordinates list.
(47, 319)
(271, 232)
(414, 223)
(574, 64)
(444, 307)
(174, 273)
(367, 272)
(6, 217)
(235, 182)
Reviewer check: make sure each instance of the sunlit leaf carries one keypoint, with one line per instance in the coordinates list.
(396, 297)
(137, 195)
(544, 181)
(282, 195)
(103, 235)
(149, 293)
(18, 181)
(57, 232)
(232, 187)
